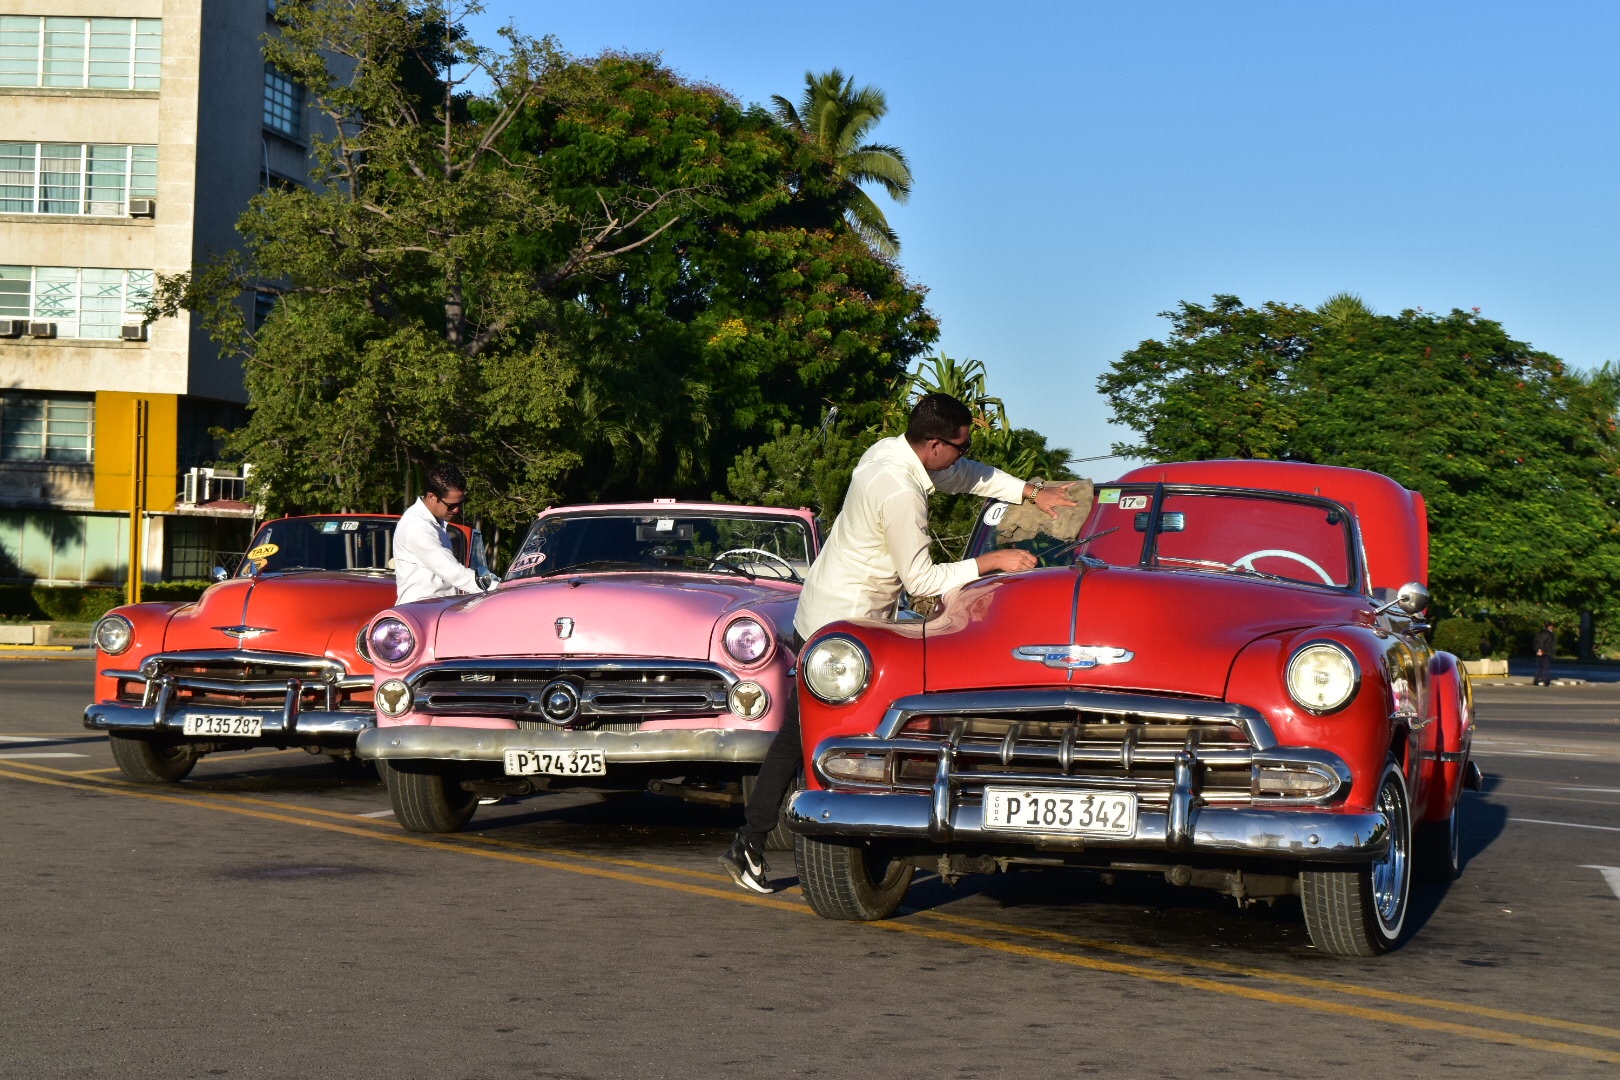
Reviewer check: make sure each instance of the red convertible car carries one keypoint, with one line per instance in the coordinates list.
(1223, 678)
(271, 657)
(629, 646)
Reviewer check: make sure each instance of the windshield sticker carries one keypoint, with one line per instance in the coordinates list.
(1133, 502)
(523, 562)
(263, 551)
(665, 524)
(329, 526)
(351, 526)
(995, 513)
(1108, 495)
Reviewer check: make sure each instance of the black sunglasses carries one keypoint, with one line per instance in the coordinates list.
(962, 447)
(448, 505)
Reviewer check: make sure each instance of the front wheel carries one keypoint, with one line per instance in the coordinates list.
(1361, 911)
(1439, 851)
(427, 802)
(849, 880)
(148, 761)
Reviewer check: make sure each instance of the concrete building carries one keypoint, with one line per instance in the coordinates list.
(132, 135)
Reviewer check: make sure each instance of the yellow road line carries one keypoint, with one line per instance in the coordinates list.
(508, 851)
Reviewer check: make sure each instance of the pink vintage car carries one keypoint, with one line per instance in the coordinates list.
(1222, 679)
(628, 646)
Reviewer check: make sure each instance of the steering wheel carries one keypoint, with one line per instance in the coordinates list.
(792, 574)
(1247, 562)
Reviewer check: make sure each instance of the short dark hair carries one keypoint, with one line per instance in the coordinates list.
(937, 416)
(443, 478)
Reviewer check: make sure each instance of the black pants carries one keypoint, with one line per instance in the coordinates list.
(777, 773)
(1543, 670)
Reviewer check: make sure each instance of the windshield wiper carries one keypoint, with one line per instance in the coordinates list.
(1216, 564)
(594, 564)
(711, 565)
(1074, 545)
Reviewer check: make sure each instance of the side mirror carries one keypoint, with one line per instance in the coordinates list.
(1412, 598)
(219, 573)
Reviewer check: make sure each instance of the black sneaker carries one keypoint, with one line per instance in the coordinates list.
(745, 862)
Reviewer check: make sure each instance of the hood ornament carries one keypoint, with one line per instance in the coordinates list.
(565, 627)
(241, 633)
(1072, 657)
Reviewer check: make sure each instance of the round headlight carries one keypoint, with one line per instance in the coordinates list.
(836, 669)
(746, 641)
(362, 646)
(1323, 677)
(112, 634)
(391, 640)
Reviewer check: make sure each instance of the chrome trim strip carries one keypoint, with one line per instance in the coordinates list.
(633, 665)
(1313, 835)
(426, 742)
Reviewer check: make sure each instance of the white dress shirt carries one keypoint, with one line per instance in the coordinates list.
(880, 541)
(424, 562)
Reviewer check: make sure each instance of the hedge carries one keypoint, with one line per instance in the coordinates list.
(70, 604)
(1467, 639)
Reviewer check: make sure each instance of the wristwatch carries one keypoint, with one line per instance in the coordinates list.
(1037, 484)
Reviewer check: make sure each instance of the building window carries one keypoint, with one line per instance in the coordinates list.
(283, 103)
(80, 53)
(88, 302)
(34, 427)
(75, 178)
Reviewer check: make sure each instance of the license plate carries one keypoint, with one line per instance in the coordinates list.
(556, 763)
(1082, 813)
(245, 727)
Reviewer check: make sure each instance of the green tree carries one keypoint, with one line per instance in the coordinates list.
(742, 319)
(837, 116)
(591, 279)
(1517, 456)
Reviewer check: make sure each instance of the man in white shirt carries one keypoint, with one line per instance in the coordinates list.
(425, 564)
(879, 545)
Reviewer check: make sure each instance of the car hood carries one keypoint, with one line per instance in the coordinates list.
(288, 613)
(1182, 629)
(607, 615)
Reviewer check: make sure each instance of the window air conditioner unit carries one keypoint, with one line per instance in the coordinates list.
(133, 331)
(13, 327)
(142, 207)
(41, 329)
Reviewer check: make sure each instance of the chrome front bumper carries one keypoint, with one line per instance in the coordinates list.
(278, 727)
(1315, 835)
(696, 745)
(278, 699)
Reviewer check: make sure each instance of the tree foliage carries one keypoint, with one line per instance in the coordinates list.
(578, 278)
(1517, 456)
(837, 116)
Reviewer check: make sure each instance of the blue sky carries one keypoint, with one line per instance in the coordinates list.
(1081, 167)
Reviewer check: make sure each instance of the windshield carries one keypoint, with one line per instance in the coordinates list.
(751, 545)
(329, 543)
(1267, 534)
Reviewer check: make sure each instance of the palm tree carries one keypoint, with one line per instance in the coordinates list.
(836, 115)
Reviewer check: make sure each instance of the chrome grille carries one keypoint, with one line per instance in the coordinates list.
(612, 695)
(244, 680)
(1101, 740)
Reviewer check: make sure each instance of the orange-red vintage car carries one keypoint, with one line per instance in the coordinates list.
(1224, 679)
(271, 657)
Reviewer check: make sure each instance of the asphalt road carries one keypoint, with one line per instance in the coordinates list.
(266, 918)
